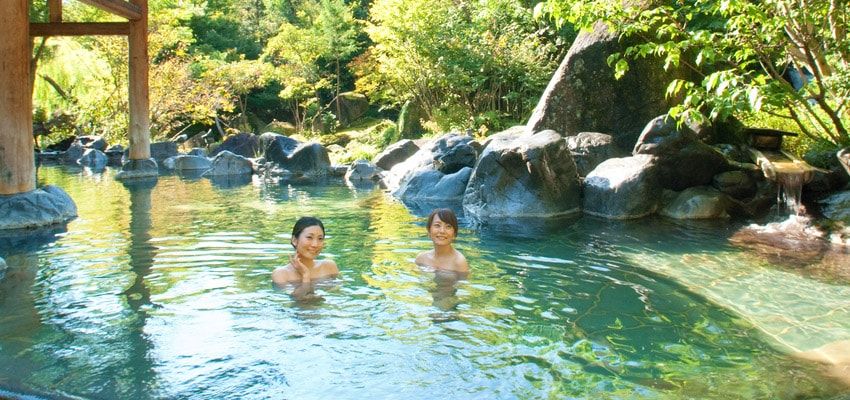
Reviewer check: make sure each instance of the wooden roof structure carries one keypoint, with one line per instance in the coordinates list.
(17, 160)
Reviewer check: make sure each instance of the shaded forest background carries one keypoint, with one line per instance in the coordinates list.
(280, 65)
(427, 66)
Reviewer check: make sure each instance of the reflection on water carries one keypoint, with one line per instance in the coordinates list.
(164, 291)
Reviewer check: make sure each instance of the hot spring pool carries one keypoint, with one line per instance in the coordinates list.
(164, 292)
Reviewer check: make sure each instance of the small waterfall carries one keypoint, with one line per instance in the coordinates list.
(790, 173)
(789, 193)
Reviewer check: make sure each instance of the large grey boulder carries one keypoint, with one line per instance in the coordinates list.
(159, 151)
(837, 206)
(275, 147)
(531, 175)
(448, 154)
(453, 153)
(700, 202)
(434, 185)
(244, 144)
(352, 106)
(44, 206)
(3, 268)
(682, 160)
(410, 119)
(93, 142)
(590, 149)
(162, 150)
(198, 151)
(294, 156)
(185, 162)
(395, 153)
(73, 153)
(584, 96)
(361, 170)
(622, 188)
(94, 160)
(227, 163)
(309, 159)
(737, 184)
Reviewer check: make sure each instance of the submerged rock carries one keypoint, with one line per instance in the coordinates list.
(792, 242)
(700, 202)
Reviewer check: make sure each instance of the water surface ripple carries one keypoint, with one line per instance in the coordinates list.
(163, 292)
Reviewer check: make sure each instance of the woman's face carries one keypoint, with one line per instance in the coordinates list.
(441, 233)
(310, 242)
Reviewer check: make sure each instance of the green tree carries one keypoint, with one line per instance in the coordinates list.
(463, 63)
(744, 50)
(294, 53)
(239, 79)
(338, 31)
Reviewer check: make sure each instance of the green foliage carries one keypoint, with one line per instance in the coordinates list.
(456, 60)
(744, 51)
(322, 31)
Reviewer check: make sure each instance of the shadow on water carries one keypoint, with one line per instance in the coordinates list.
(30, 240)
(139, 372)
(421, 208)
(190, 175)
(522, 228)
(230, 181)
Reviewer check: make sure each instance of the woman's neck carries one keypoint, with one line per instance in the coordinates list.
(308, 262)
(443, 250)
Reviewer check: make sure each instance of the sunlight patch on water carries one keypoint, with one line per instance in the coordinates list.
(798, 313)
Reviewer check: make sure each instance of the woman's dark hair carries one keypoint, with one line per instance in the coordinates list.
(446, 215)
(304, 223)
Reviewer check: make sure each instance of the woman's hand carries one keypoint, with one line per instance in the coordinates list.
(300, 267)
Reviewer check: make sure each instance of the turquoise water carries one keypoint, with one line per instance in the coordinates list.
(164, 292)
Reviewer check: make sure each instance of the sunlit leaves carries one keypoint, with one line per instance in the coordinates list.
(742, 49)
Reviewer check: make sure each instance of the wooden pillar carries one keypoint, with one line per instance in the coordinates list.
(17, 162)
(140, 135)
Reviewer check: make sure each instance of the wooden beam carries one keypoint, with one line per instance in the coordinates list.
(54, 9)
(139, 129)
(79, 28)
(17, 161)
(117, 7)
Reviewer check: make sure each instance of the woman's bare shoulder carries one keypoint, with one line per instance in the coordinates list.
(424, 258)
(284, 274)
(460, 262)
(330, 267)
